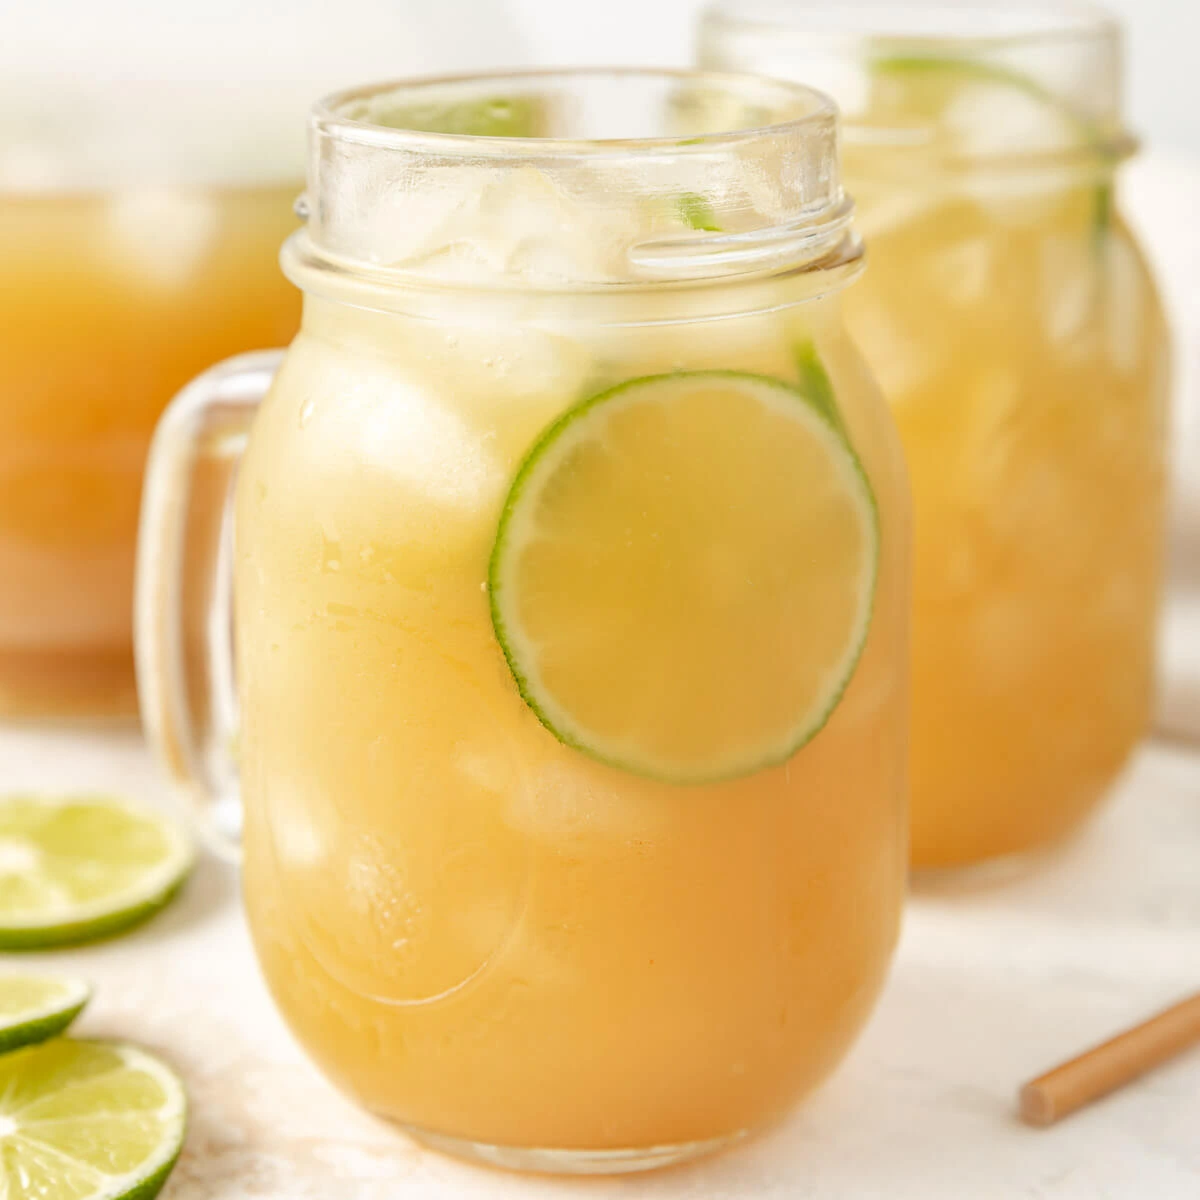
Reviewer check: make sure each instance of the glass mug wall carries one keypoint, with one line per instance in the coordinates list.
(1010, 319)
(571, 563)
(131, 259)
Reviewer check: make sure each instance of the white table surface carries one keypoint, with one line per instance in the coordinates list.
(990, 986)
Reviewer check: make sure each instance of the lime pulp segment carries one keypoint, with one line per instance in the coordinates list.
(84, 1120)
(683, 575)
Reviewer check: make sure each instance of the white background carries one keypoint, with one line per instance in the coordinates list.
(1163, 72)
(335, 43)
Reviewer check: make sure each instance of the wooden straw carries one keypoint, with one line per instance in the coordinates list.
(1108, 1066)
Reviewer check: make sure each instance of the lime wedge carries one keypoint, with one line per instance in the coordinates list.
(34, 1008)
(87, 1121)
(77, 868)
(683, 576)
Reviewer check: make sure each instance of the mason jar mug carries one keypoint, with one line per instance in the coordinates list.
(1011, 320)
(570, 573)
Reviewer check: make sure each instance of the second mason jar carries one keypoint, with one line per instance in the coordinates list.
(571, 581)
(1010, 318)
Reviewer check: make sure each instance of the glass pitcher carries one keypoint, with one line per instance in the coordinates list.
(570, 578)
(146, 184)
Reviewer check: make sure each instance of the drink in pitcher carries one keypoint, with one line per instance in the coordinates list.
(114, 299)
(1010, 318)
(571, 592)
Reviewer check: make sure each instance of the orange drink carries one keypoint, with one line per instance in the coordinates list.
(114, 300)
(571, 596)
(1010, 318)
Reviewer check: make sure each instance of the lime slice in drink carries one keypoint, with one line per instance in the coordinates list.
(36, 1007)
(88, 1121)
(77, 868)
(816, 384)
(683, 576)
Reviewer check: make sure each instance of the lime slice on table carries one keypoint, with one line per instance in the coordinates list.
(87, 1121)
(77, 868)
(684, 572)
(36, 1007)
(987, 108)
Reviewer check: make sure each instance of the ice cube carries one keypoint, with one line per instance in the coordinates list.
(1067, 292)
(299, 843)
(962, 272)
(574, 800)
(1015, 488)
(1125, 294)
(1119, 603)
(482, 224)
(161, 236)
(393, 424)
(865, 700)
(487, 768)
(880, 211)
(303, 824)
(905, 364)
(1016, 201)
(1005, 631)
(984, 119)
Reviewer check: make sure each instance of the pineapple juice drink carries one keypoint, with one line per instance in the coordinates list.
(113, 301)
(1011, 321)
(571, 615)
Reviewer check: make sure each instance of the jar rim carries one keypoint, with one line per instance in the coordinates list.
(958, 86)
(934, 25)
(798, 110)
(577, 176)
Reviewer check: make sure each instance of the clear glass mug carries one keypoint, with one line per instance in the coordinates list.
(1010, 318)
(570, 552)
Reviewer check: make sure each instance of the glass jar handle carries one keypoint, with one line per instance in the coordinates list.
(183, 596)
